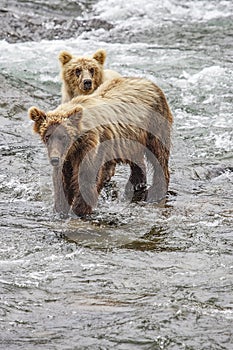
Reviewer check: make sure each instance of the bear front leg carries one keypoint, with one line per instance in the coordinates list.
(81, 208)
(61, 205)
(85, 191)
(85, 200)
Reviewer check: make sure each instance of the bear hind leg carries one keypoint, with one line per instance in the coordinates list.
(135, 189)
(158, 157)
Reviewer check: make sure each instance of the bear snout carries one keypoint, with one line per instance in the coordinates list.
(87, 84)
(54, 161)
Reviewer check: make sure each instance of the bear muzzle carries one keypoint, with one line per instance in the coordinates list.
(87, 84)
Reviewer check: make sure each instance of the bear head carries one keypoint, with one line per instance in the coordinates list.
(82, 75)
(59, 131)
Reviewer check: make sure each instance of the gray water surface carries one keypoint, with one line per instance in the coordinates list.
(133, 276)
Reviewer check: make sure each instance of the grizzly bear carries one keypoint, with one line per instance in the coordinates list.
(125, 120)
(83, 75)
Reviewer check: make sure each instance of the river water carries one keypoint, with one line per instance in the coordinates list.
(133, 276)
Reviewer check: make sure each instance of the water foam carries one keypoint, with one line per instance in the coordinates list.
(120, 10)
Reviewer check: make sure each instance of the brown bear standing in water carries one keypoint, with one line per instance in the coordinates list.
(125, 120)
(83, 75)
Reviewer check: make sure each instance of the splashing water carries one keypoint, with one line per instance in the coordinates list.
(133, 276)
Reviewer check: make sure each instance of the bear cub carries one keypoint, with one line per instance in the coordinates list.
(83, 75)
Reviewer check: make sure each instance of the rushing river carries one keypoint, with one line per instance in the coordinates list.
(133, 276)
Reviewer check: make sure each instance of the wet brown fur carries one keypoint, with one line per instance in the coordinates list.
(132, 117)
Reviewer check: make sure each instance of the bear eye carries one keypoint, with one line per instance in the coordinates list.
(92, 71)
(46, 138)
(78, 72)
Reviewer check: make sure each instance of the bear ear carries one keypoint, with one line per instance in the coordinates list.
(64, 57)
(100, 56)
(37, 116)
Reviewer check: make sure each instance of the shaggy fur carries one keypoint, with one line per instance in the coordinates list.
(125, 120)
(83, 75)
